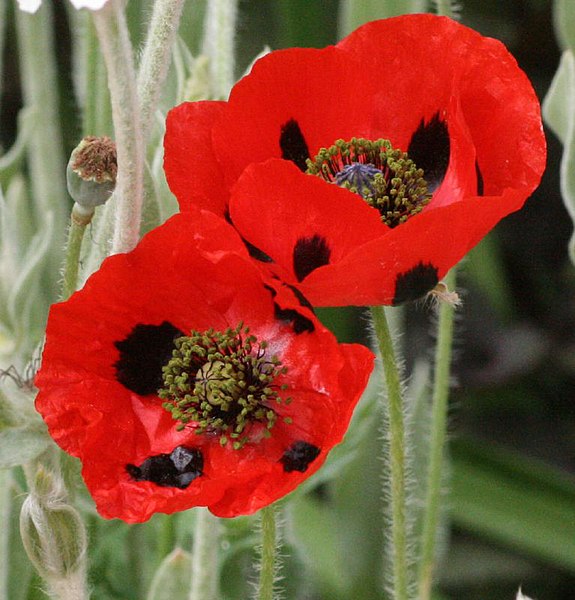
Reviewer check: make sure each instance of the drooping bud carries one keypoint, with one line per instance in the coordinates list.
(172, 579)
(54, 536)
(91, 171)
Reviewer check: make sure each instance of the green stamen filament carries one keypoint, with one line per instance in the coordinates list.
(386, 178)
(222, 383)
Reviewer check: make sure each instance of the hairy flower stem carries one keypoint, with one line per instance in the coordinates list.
(432, 504)
(204, 584)
(445, 8)
(397, 453)
(219, 45)
(78, 220)
(45, 151)
(156, 58)
(115, 43)
(268, 554)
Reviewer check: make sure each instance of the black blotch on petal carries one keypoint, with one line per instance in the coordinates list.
(479, 179)
(256, 253)
(415, 283)
(253, 251)
(299, 322)
(293, 144)
(303, 301)
(299, 456)
(177, 469)
(429, 149)
(143, 354)
(309, 254)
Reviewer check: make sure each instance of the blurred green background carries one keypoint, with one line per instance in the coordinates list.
(511, 509)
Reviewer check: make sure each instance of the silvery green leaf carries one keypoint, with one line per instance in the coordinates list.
(27, 308)
(564, 21)
(558, 103)
(12, 161)
(354, 13)
(20, 445)
(23, 255)
(97, 241)
(559, 113)
(172, 579)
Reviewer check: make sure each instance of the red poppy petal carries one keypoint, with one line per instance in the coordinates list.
(426, 246)
(278, 210)
(104, 352)
(193, 173)
(443, 60)
(315, 89)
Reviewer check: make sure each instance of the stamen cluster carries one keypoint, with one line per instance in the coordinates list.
(222, 382)
(386, 178)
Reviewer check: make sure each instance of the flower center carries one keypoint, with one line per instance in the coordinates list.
(386, 178)
(222, 383)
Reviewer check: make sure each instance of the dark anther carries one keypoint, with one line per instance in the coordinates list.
(293, 144)
(309, 254)
(177, 469)
(429, 149)
(479, 179)
(415, 283)
(143, 354)
(299, 456)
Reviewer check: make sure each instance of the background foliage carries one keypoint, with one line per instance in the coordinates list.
(511, 507)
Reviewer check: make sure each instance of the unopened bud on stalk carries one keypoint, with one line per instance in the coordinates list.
(172, 579)
(91, 171)
(54, 537)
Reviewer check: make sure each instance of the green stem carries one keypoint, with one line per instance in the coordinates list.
(46, 162)
(445, 8)
(167, 535)
(397, 453)
(78, 220)
(205, 574)
(432, 505)
(115, 43)
(268, 557)
(94, 94)
(353, 13)
(137, 558)
(156, 57)
(219, 45)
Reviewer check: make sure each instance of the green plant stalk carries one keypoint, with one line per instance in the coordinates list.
(397, 453)
(353, 13)
(79, 219)
(95, 101)
(205, 571)
(46, 161)
(444, 8)
(268, 554)
(432, 505)
(5, 507)
(137, 555)
(156, 58)
(113, 35)
(219, 45)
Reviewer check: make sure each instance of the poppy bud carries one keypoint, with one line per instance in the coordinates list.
(172, 579)
(91, 171)
(53, 534)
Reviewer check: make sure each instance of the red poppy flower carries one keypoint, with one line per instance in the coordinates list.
(454, 101)
(181, 379)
